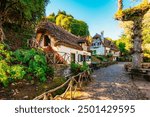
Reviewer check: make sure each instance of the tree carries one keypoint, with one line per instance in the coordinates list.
(79, 28)
(122, 47)
(135, 15)
(69, 23)
(21, 12)
(127, 36)
(125, 39)
(51, 18)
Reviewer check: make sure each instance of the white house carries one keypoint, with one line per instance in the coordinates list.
(103, 46)
(97, 47)
(66, 46)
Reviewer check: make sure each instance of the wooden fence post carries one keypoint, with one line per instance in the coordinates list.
(71, 83)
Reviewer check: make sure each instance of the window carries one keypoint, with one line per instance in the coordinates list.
(73, 57)
(79, 58)
(84, 58)
(46, 40)
(94, 52)
(88, 58)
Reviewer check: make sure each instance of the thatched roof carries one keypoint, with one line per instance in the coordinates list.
(62, 36)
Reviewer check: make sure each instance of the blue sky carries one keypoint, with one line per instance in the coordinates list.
(98, 14)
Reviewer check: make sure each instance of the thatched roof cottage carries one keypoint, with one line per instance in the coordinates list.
(71, 48)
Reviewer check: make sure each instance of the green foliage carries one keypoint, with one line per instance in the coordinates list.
(109, 55)
(84, 67)
(4, 53)
(146, 30)
(57, 82)
(102, 58)
(121, 47)
(128, 29)
(23, 64)
(51, 18)
(77, 68)
(35, 61)
(23, 11)
(79, 28)
(4, 72)
(17, 72)
(133, 13)
(69, 23)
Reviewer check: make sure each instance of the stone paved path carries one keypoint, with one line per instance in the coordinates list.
(111, 83)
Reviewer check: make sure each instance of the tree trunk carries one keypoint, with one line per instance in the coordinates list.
(137, 44)
(2, 35)
(120, 4)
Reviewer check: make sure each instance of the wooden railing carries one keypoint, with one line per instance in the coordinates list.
(65, 56)
(72, 84)
(56, 58)
(32, 43)
(52, 56)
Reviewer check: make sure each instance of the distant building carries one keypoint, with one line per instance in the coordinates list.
(103, 46)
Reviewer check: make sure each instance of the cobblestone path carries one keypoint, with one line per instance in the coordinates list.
(111, 83)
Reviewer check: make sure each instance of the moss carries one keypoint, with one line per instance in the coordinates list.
(132, 13)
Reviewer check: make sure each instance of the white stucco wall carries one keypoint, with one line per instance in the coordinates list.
(100, 49)
(116, 54)
(63, 49)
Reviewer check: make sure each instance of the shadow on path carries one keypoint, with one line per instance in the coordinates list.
(111, 83)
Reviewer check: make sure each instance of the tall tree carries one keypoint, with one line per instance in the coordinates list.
(20, 12)
(69, 23)
(136, 15)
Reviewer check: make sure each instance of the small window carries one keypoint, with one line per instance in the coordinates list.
(79, 58)
(84, 58)
(94, 52)
(73, 58)
(88, 58)
(46, 40)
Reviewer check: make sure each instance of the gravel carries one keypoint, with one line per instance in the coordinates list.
(112, 83)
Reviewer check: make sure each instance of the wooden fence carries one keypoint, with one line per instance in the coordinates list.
(72, 84)
(55, 58)
(52, 57)
(32, 43)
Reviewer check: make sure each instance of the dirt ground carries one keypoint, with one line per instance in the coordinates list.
(28, 90)
(144, 87)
